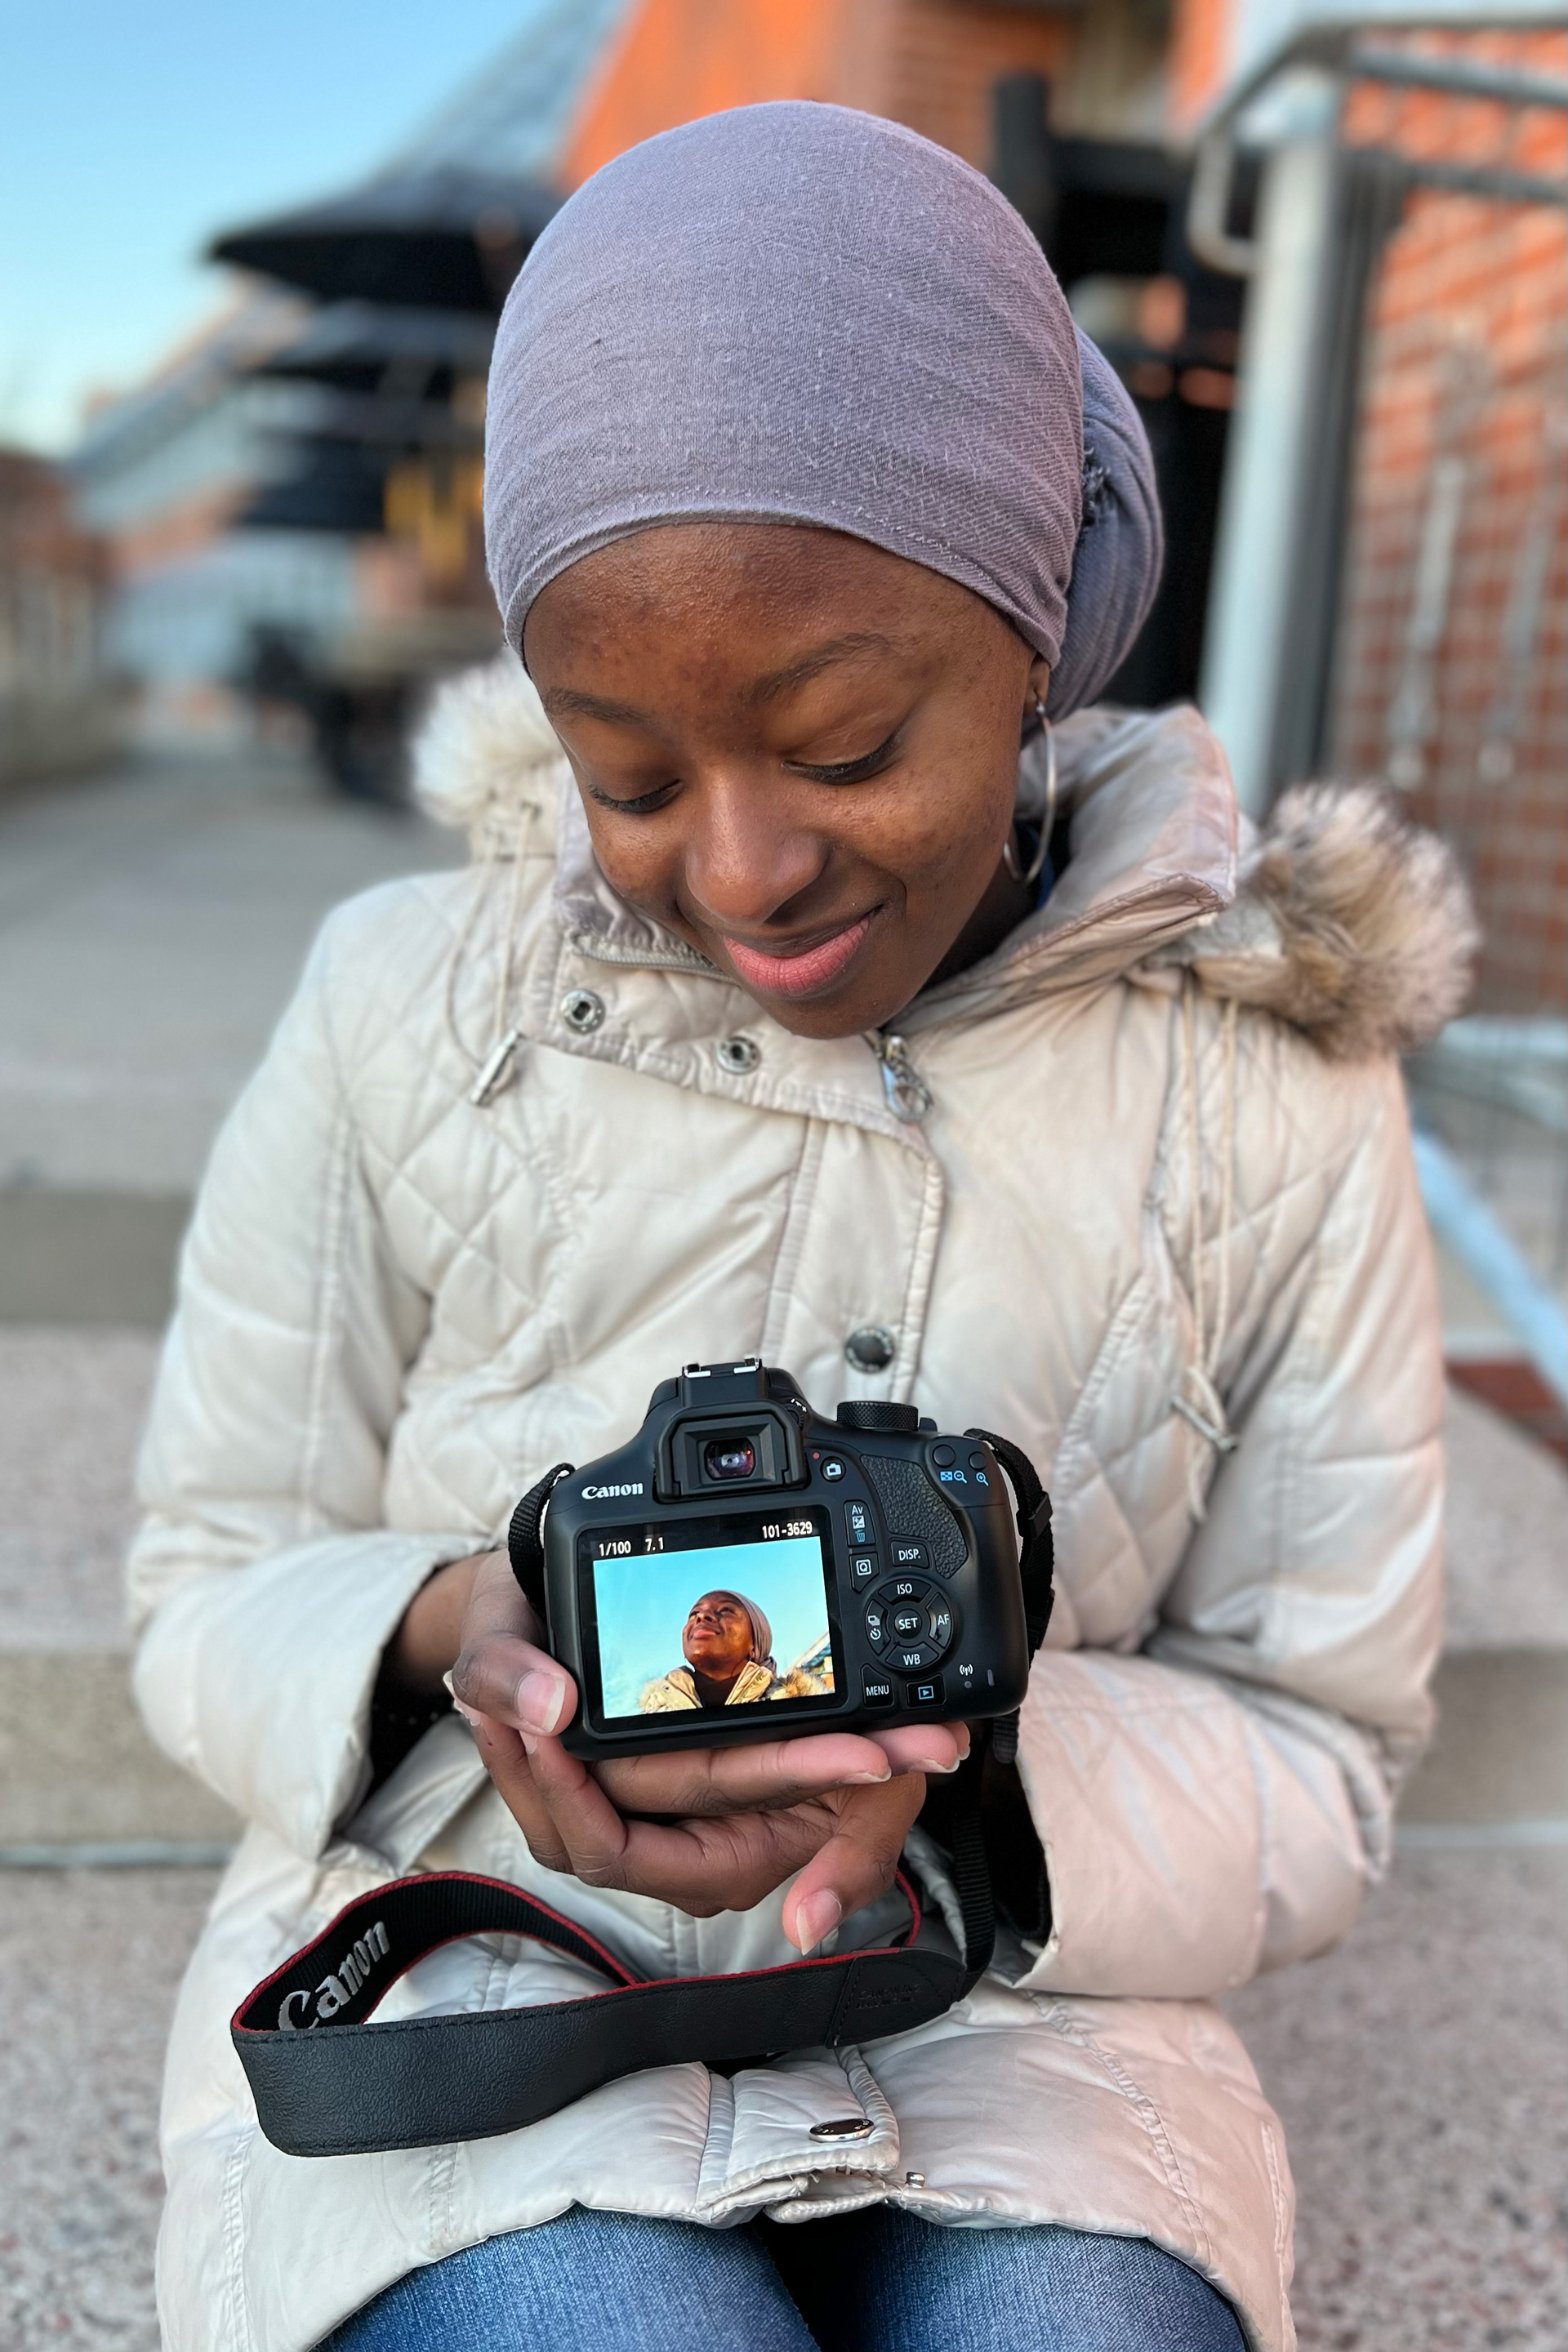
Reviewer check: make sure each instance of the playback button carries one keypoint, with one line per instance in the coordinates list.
(926, 1693)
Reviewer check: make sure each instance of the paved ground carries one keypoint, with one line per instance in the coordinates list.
(151, 928)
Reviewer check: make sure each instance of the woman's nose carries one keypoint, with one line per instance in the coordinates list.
(747, 858)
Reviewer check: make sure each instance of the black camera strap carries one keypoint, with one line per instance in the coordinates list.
(328, 2081)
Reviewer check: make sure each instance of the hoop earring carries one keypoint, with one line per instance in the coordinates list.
(1047, 820)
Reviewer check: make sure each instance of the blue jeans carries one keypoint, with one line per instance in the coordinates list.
(879, 2281)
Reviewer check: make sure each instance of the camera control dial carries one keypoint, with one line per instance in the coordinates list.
(911, 1623)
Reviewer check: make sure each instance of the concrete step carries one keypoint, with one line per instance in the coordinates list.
(78, 1769)
(1501, 1756)
(88, 1257)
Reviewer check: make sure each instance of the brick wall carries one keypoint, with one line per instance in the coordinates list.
(928, 63)
(1464, 444)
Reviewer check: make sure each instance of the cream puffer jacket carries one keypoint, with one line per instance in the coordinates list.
(1155, 1202)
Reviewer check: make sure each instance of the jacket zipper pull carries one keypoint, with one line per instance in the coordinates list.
(907, 1094)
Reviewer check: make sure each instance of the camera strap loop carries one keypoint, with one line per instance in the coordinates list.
(1036, 1552)
(328, 2081)
(525, 1541)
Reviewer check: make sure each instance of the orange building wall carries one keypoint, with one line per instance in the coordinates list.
(946, 54)
(1202, 41)
(676, 61)
(927, 63)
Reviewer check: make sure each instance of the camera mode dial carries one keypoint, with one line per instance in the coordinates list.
(878, 1415)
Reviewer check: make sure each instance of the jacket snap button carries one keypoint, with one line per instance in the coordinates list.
(844, 2127)
(737, 1055)
(870, 1349)
(582, 1009)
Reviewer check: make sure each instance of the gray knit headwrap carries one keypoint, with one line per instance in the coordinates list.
(797, 313)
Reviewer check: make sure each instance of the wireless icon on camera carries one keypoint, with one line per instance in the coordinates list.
(744, 1569)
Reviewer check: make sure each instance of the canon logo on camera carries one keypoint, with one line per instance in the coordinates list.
(604, 1493)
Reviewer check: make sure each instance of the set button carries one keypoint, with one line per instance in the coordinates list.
(909, 1624)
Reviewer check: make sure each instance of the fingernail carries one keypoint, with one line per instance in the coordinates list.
(539, 1701)
(930, 1764)
(817, 1916)
(468, 1713)
(867, 1780)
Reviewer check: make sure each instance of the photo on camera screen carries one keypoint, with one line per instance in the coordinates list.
(713, 1625)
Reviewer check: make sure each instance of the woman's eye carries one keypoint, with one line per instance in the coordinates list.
(640, 804)
(846, 771)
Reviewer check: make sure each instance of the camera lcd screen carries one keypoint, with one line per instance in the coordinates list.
(699, 1615)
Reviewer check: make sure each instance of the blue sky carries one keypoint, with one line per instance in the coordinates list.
(643, 1606)
(128, 134)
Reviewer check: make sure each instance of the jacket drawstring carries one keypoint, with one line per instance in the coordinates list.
(490, 1068)
(1197, 1397)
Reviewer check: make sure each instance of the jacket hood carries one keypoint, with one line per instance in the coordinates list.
(1339, 917)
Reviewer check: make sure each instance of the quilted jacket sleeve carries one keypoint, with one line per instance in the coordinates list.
(1216, 1805)
(262, 1585)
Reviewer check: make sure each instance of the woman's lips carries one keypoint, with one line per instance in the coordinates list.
(802, 974)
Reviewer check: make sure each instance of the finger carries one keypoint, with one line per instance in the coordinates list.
(938, 1748)
(508, 1765)
(768, 1774)
(856, 1863)
(514, 1683)
(727, 1862)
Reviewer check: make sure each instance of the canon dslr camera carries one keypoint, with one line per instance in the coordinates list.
(744, 1568)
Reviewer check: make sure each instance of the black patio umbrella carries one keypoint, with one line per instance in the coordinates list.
(438, 239)
(366, 346)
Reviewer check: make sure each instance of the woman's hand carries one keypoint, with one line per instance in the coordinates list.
(732, 1823)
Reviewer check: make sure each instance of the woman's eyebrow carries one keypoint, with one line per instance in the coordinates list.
(592, 705)
(821, 657)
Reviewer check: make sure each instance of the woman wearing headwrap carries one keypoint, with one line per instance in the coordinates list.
(728, 1648)
(833, 982)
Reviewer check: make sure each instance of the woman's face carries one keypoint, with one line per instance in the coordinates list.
(718, 1637)
(795, 750)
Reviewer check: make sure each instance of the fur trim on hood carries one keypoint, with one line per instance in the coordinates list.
(1349, 922)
